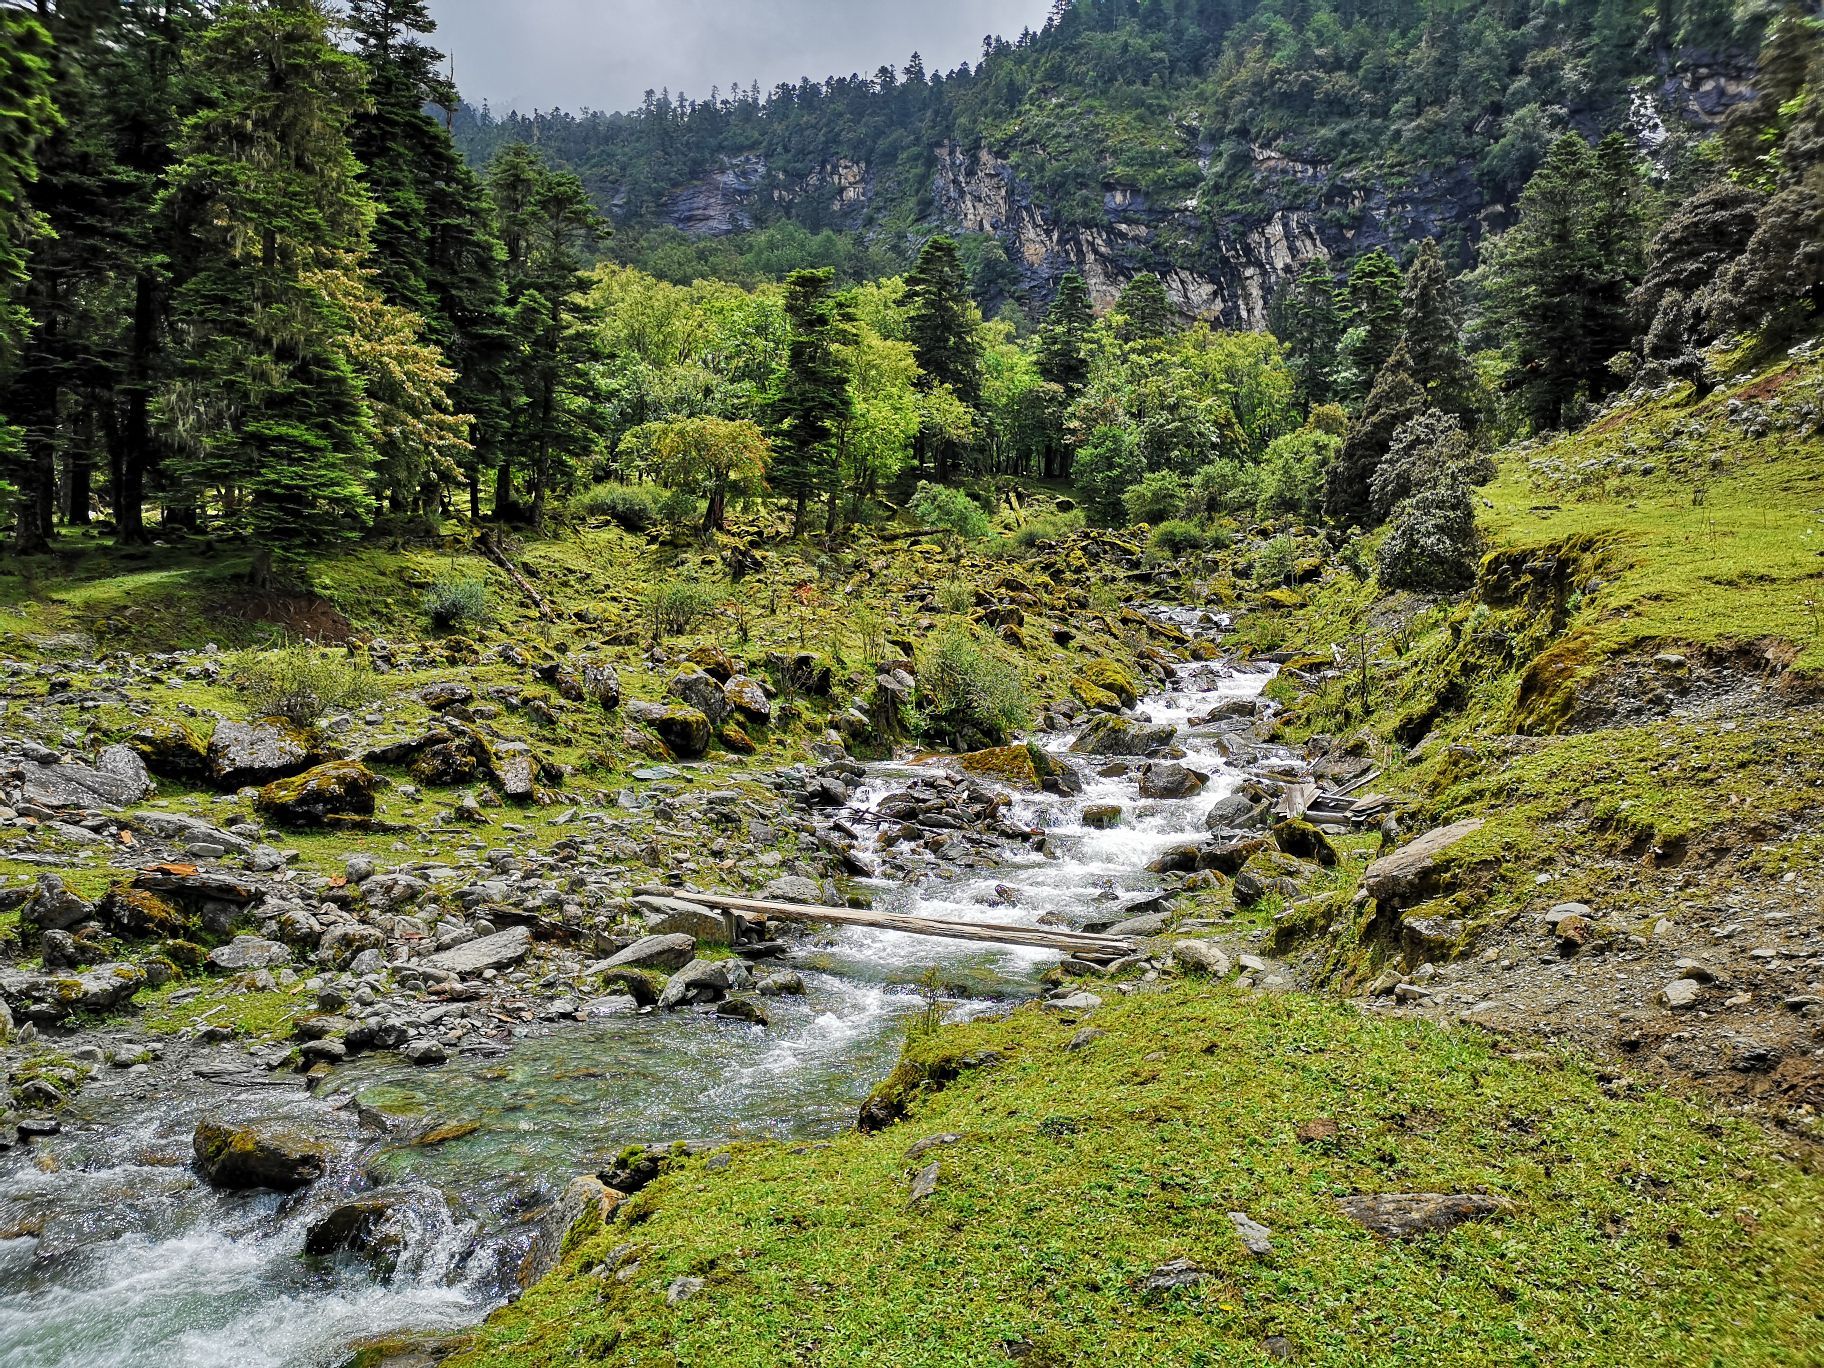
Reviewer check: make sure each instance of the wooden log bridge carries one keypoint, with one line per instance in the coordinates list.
(1085, 945)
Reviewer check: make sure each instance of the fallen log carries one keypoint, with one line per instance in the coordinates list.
(1081, 944)
(495, 554)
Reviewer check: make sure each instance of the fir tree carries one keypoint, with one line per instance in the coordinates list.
(942, 324)
(1144, 313)
(1063, 363)
(1395, 400)
(27, 116)
(1673, 307)
(813, 394)
(1430, 333)
(1305, 315)
(265, 407)
(1372, 319)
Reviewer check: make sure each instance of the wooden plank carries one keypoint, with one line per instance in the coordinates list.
(1084, 944)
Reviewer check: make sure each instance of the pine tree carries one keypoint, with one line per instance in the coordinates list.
(1063, 363)
(1673, 305)
(1144, 312)
(943, 325)
(812, 396)
(1395, 400)
(27, 116)
(1429, 323)
(265, 407)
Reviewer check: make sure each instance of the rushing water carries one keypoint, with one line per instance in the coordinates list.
(113, 1255)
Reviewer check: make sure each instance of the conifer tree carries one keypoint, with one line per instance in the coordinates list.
(1145, 313)
(265, 406)
(1395, 400)
(812, 396)
(1306, 315)
(1372, 319)
(27, 115)
(1429, 324)
(942, 323)
(1063, 363)
(1673, 307)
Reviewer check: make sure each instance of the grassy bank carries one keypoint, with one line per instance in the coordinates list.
(1642, 1230)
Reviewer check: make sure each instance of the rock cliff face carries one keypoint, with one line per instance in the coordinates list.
(1217, 266)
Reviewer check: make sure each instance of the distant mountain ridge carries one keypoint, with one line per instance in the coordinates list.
(1220, 143)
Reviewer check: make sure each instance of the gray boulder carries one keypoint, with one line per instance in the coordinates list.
(672, 951)
(248, 952)
(701, 692)
(1168, 780)
(698, 981)
(117, 778)
(246, 1158)
(499, 951)
(1112, 734)
(1203, 956)
(1415, 872)
(747, 696)
(53, 907)
(256, 753)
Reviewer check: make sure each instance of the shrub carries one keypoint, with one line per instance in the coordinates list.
(676, 606)
(1047, 527)
(1290, 481)
(1275, 561)
(954, 596)
(1175, 537)
(456, 600)
(1432, 544)
(970, 695)
(1159, 495)
(1222, 486)
(678, 509)
(300, 684)
(1423, 452)
(936, 505)
(632, 507)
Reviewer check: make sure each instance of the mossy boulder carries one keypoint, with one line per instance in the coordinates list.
(1303, 841)
(171, 750)
(747, 696)
(250, 1158)
(1097, 700)
(686, 731)
(329, 794)
(135, 912)
(1282, 598)
(1111, 734)
(1011, 765)
(1108, 677)
(244, 753)
(734, 738)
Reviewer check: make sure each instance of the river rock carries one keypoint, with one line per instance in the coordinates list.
(672, 951)
(45, 999)
(786, 983)
(1102, 816)
(674, 916)
(1170, 780)
(1415, 872)
(1237, 812)
(1402, 1215)
(352, 1227)
(336, 792)
(1111, 734)
(499, 951)
(239, 1159)
(742, 1009)
(698, 981)
(248, 952)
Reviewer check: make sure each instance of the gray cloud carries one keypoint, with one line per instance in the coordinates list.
(603, 54)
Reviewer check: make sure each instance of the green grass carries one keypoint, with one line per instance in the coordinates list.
(1646, 1230)
(256, 1015)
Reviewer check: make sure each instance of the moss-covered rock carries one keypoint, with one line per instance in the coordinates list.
(1007, 764)
(685, 731)
(135, 912)
(171, 750)
(246, 1158)
(1109, 677)
(324, 796)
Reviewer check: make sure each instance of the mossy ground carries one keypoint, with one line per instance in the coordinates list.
(1645, 1230)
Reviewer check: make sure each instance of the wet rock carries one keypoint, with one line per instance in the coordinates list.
(742, 1009)
(1402, 1215)
(1012, 765)
(1170, 780)
(634, 984)
(1115, 735)
(685, 731)
(253, 753)
(248, 952)
(655, 952)
(424, 1053)
(1102, 816)
(339, 791)
(1237, 812)
(1177, 859)
(1416, 872)
(786, 984)
(499, 951)
(1202, 956)
(244, 1158)
(351, 1227)
(698, 981)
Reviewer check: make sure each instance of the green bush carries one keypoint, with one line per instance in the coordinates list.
(676, 606)
(301, 684)
(1275, 561)
(936, 505)
(1046, 528)
(456, 600)
(1108, 466)
(1175, 537)
(954, 596)
(1159, 495)
(634, 507)
(1222, 486)
(1290, 479)
(970, 695)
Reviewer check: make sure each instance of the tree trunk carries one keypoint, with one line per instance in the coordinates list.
(715, 511)
(78, 470)
(503, 489)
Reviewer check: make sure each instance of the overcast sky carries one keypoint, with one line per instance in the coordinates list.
(604, 54)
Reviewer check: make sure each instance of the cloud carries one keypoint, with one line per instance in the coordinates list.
(604, 54)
